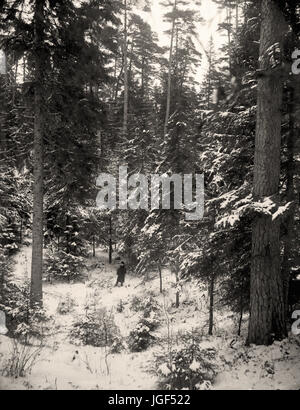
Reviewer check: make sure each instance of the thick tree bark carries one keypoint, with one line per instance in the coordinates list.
(37, 223)
(267, 313)
(290, 196)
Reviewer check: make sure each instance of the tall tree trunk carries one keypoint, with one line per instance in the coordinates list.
(94, 249)
(130, 75)
(267, 313)
(208, 93)
(287, 242)
(114, 86)
(21, 230)
(229, 18)
(110, 248)
(160, 277)
(183, 76)
(211, 304)
(143, 79)
(14, 86)
(170, 70)
(118, 81)
(3, 72)
(241, 314)
(176, 269)
(68, 248)
(37, 222)
(24, 69)
(236, 16)
(125, 117)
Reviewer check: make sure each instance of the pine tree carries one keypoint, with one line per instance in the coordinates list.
(38, 165)
(182, 50)
(212, 77)
(267, 309)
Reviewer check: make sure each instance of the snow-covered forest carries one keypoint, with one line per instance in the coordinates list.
(145, 297)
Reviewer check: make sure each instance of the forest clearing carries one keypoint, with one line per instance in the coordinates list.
(67, 363)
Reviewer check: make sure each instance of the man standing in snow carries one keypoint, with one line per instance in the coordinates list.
(121, 274)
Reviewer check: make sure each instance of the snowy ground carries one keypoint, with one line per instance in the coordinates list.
(63, 365)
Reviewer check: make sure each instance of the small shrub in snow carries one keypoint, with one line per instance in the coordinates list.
(97, 328)
(140, 337)
(65, 305)
(136, 303)
(118, 345)
(147, 305)
(120, 306)
(269, 367)
(151, 322)
(20, 316)
(186, 367)
(64, 266)
(5, 272)
(22, 358)
(28, 331)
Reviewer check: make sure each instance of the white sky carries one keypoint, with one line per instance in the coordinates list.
(212, 17)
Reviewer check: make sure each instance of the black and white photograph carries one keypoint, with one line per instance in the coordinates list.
(149, 197)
